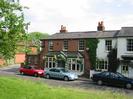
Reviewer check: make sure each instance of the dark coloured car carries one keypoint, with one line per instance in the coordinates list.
(30, 70)
(60, 73)
(111, 78)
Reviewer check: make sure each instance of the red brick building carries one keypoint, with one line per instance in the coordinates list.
(68, 50)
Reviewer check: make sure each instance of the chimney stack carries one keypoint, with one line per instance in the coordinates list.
(100, 26)
(63, 29)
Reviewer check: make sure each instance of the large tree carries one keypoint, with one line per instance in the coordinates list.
(35, 37)
(11, 28)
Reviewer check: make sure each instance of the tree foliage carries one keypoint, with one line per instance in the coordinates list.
(113, 61)
(11, 27)
(92, 45)
(35, 37)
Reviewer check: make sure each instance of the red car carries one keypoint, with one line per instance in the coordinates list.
(30, 70)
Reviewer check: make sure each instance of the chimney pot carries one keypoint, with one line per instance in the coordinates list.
(100, 26)
(63, 29)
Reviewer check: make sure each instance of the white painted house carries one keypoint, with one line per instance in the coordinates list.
(125, 51)
(123, 41)
(107, 41)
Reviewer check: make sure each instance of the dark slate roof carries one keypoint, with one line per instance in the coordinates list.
(90, 34)
(73, 35)
(107, 34)
(125, 32)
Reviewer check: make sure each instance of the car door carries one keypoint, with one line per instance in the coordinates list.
(52, 73)
(29, 70)
(105, 77)
(57, 73)
(26, 69)
(115, 79)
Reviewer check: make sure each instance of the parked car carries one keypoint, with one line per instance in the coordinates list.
(30, 70)
(111, 78)
(60, 73)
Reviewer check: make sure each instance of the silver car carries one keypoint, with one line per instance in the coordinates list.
(60, 73)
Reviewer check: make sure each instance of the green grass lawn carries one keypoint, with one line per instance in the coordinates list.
(15, 88)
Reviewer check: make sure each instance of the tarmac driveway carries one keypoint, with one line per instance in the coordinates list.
(82, 83)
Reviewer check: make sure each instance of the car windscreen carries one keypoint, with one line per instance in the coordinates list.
(64, 70)
(120, 75)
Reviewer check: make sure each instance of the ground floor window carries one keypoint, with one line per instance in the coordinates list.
(74, 65)
(102, 65)
(50, 62)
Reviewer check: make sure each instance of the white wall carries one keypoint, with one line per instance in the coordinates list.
(122, 47)
(101, 51)
(129, 74)
(122, 50)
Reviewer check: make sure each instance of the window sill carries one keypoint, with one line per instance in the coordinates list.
(107, 51)
(80, 50)
(129, 52)
(65, 50)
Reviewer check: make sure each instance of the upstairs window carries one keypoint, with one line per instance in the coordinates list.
(129, 44)
(50, 45)
(108, 45)
(81, 44)
(65, 45)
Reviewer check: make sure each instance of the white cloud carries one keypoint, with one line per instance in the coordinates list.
(77, 15)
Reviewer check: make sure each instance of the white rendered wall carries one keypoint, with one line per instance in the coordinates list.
(101, 50)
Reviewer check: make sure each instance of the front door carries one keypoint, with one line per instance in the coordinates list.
(124, 70)
(61, 63)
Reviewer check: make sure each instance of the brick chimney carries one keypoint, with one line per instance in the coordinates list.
(63, 29)
(100, 26)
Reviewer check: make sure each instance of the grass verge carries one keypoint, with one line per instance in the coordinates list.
(15, 88)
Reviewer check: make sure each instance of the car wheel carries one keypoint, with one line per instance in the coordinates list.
(99, 82)
(66, 78)
(36, 75)
(47, 76)
(128, 86)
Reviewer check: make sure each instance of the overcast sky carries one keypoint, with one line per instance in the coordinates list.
(77, 15)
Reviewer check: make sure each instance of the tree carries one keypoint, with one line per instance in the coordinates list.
(35, 37)
(91, 44)
(113, 61)
(11, 28)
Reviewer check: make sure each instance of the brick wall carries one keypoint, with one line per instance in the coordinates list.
(2, 61)
(87, 64)
(19, 58)
(58, 45)
(73, 45)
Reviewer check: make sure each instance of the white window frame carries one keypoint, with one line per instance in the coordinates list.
(125, 68)
(81, 45)
(108, 45)
(130, 44)
(104, 66)
(65, 45)
(71, 63)
(50, 45)
(52, 61)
